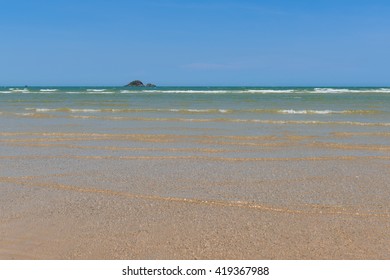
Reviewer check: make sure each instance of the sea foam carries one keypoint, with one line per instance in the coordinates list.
(345, 90)
(325, 112)
(320, 112)
(95, 90)
(48, 90)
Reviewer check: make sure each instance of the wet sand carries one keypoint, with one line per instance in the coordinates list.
(133, 196)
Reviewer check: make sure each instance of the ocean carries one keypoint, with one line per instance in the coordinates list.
(248, 122)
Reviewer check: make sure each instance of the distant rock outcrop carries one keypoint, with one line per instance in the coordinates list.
(138, 83)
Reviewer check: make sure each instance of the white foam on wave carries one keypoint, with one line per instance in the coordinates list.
(308, 122)
(62, 110)
(90, 91)
(85, 110)
(247, 91)
(24, 114)
(48, 90)
(384, 90)
(263, 91)
(198, 110)
(168, 110)
(18, 90)
(293, 111)
(42, 109)
(345, 90)
(186, 91)
(332, 90)
(102, 92)
(319, 112)
(269, 90)
(95, 90)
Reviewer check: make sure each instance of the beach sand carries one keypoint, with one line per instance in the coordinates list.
(61, 197)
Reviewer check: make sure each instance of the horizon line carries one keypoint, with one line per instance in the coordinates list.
(260, 86)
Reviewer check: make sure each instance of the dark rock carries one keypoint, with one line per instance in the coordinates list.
(136, 83)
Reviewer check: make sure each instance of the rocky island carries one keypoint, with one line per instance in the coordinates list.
(138, 83)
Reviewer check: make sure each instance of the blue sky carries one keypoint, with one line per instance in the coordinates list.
(213, 42)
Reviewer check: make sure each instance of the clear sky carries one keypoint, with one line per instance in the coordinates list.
(188, 42)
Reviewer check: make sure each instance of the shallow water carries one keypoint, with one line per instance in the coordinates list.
(319, 121)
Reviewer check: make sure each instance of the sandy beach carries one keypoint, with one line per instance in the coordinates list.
(89, 196)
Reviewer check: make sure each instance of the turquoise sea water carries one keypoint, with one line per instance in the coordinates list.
(335, 116)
